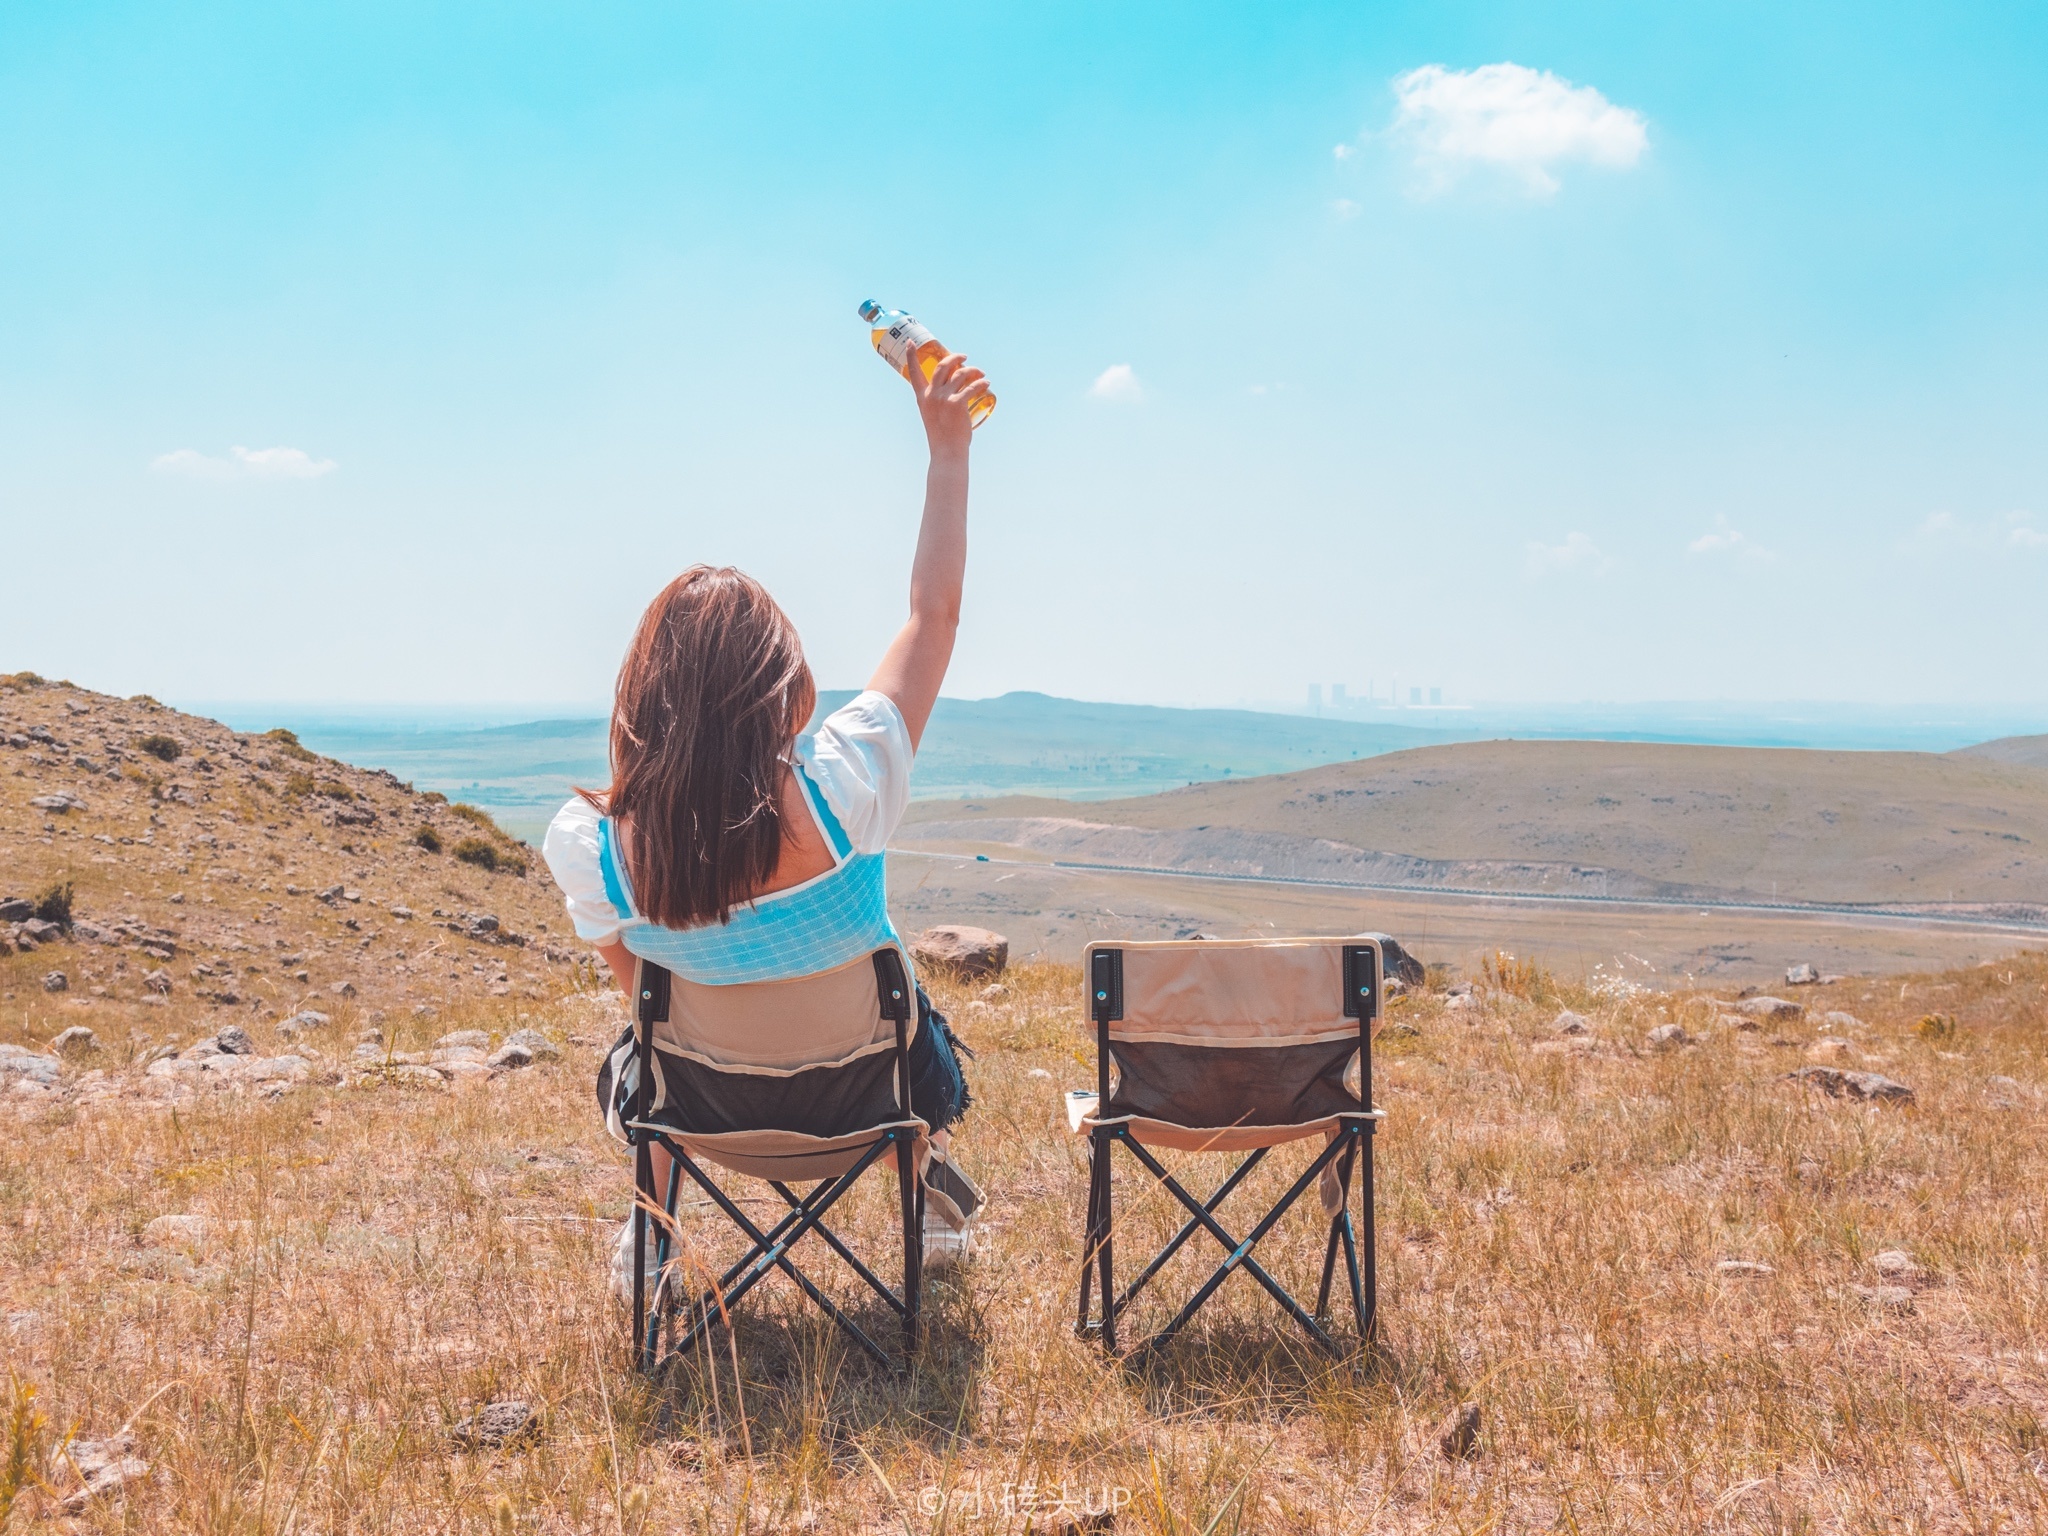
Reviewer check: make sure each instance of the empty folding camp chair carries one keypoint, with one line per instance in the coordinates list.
(783, 1081)
(1231, 1046)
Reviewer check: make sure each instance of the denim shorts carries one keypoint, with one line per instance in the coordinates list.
(938, 1086)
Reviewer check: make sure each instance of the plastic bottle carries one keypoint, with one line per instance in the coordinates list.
(899, 338)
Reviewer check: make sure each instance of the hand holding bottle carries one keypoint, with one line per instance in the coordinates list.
(950, 399)
(913, 351)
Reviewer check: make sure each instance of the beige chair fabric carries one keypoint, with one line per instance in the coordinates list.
(1194, 1014)
(753, 1031)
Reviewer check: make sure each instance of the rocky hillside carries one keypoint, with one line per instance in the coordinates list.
(152, 858)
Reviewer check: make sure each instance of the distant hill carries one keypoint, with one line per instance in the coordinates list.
(2030, 750)
(1614, 818)
(1020, 743)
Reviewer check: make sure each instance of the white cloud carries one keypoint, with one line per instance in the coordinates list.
(1517, 120)
(1344, 151)
(1577, 554)
(1117, 382)
(244, 464)
(1344, 208)
(1724, 540)
(2014, 530)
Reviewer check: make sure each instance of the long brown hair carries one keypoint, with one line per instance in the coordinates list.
(712, 693)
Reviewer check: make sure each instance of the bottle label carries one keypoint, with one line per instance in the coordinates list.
(899, 343)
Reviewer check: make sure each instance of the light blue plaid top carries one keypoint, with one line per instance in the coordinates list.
(825, 922)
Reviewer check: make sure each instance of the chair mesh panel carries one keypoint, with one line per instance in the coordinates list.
(1208, 1088)
(835, 1099)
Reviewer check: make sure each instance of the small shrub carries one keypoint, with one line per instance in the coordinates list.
(476, 814)
(1936, 1027)
(478, 851)
(298, 785)
(288, 743)
(433, 797)
(165, 749)
(22, 680)
(334, 791)
(428, 839)
(53, 903)
(1522, 978)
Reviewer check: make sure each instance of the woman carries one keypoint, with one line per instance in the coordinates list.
(734, 847)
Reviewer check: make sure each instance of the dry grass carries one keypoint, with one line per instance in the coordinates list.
(382, 1261)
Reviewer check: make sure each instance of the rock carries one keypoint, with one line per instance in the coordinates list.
(235, 1041)
(465, 1073)
(446, 1055)
(157, 982)
(969, 953)
(1896, 1264)
(1892, 1298)
(496, 1426)
(1855, 1085)
(1801, 975)
(1771, 1010)
(1831, 1048)
(509, 1055)
(15, 910)
(463, 1037)
(1398, 963)
(57, 804)
(1739, 1022)
(1569, 1023)
(1461, 1002)
(56, 981)
(542, 1048)
(41, 930)
(343, 989)
(1039, 1073)
(176, 1231)
(331, 895)
(1665, 1036)
(76, 1038)
(1460, 1438)
(28, 1066)
(311, 1018)
(401, 913)
(1392, 987)
(1743, 1269)
(1400, 1029)
(370, 1036)
(994, 992)
(1840, 1020)
(105, 1465)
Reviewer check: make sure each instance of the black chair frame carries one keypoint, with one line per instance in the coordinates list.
(1351, 1145)
(770, 1249)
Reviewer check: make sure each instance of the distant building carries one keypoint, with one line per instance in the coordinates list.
(1414, 695)
(1337, 699)
(1436, 695)
(1315, 698)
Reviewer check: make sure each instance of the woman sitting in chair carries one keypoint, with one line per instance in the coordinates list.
(733, 845)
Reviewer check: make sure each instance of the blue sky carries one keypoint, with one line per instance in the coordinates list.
(390, 352)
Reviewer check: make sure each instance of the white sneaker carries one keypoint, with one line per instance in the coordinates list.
(622, 1263)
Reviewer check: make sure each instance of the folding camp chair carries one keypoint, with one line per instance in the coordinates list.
(1232, 1046)
(786, 1082)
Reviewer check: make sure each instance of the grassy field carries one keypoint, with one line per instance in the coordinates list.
(271, 1295)
(377, 1261)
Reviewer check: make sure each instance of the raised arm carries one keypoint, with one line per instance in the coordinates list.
(915, 663)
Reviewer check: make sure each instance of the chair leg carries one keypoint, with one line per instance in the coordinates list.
(1092, 1234)
(913, 1242)
(1365, 1299)
(662, 1240)
(643, 1191)
(1103, 1254)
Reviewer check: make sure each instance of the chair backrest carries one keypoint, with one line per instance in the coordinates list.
(796, 1076)
(1249, 1035)
(806, 1021)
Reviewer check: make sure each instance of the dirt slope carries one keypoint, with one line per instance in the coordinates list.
(246, 872)
(1624, 817)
